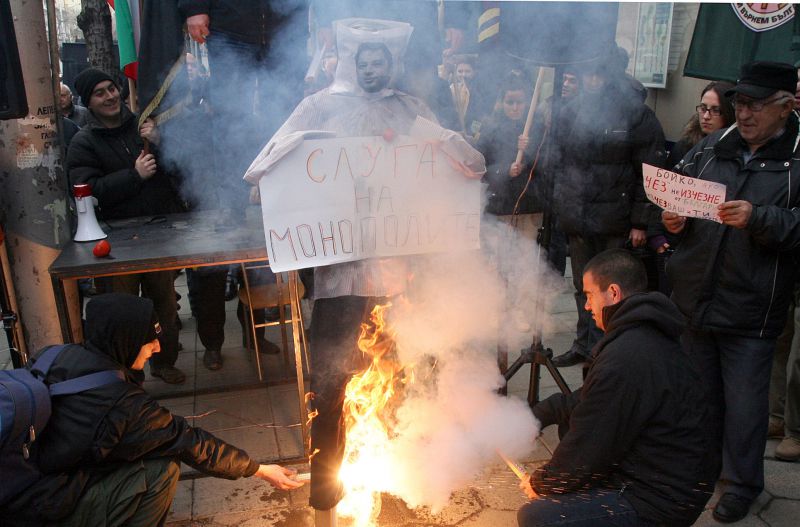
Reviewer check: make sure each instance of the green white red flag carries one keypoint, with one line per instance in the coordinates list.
(128, 17)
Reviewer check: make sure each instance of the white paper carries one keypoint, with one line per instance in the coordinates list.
(343, 199)
(686, 196)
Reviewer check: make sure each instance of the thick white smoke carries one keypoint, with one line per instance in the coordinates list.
(451, 424)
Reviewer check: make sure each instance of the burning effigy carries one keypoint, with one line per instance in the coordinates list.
(403, 393)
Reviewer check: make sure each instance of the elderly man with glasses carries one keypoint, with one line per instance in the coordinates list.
(733, 280)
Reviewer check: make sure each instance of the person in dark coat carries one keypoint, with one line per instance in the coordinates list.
(257, 58)
(734, 280)
(113, 452)
(69, 110)
(108, 154)
(602, 138)
(636, 445)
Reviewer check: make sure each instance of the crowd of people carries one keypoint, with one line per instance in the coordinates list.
(677, 394)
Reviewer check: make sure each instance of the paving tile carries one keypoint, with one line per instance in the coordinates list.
(499, 490)
(259, 442)
(782, 479)
(781, 513)
(491, 518)
(463, 504)
(214, 497)
(234, 409)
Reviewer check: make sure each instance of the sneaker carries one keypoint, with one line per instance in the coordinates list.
(168, 374)
(788, 449)
(775, 430)
(212, 359)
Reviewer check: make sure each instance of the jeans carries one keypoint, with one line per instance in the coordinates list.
(590, 508)
(581, 250)
(736, 371)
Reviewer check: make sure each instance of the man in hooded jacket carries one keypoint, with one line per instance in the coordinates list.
(110, 455)
(636, 447)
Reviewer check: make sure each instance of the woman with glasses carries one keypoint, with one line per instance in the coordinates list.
(715, 111)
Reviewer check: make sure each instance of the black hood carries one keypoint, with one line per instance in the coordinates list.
(650, 308)
(117, 325)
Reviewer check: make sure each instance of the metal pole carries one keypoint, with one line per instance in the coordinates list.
(34, 196)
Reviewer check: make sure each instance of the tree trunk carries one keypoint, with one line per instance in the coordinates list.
(95, 22)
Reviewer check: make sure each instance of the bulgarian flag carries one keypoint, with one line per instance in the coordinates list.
(127, 15)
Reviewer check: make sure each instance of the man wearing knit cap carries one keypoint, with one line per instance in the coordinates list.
(108, 153)
(733, 280)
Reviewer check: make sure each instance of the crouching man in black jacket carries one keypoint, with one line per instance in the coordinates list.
(110, 455)
(638, 449)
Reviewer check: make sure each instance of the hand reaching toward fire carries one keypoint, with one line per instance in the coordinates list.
(279, 477)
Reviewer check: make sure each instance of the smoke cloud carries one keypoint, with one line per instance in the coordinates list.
(452, 422)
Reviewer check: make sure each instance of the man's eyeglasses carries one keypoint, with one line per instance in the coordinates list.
(702, 109)
(756, 105)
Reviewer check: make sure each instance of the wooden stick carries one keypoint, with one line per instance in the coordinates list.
(531, 110)
(132, 96)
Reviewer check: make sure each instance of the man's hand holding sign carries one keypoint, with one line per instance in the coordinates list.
(683, 197)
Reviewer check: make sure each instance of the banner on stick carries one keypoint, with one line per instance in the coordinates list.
(686, 196)
(342, 199)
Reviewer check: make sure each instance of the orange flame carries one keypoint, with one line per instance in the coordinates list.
(370, 400)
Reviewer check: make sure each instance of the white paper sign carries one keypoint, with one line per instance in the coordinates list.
(343, 199)
(686, 196)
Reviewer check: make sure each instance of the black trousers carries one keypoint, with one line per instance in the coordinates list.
(333, 337)
(207, 300)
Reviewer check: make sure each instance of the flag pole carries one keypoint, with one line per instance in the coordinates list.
(133, 95)
(531, 110)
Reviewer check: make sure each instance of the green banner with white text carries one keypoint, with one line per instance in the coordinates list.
(729, 35)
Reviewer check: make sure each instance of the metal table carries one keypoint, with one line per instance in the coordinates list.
(171, 242)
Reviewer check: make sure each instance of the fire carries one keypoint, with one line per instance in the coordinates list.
(370, 400)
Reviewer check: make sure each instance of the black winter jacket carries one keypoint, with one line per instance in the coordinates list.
(601, 141)
(252, 21)
(740, 281)
(91, 433)
(105, 158)
(639, 424)
(498, 144)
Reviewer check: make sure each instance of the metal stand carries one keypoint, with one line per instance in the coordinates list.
(537, 355)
